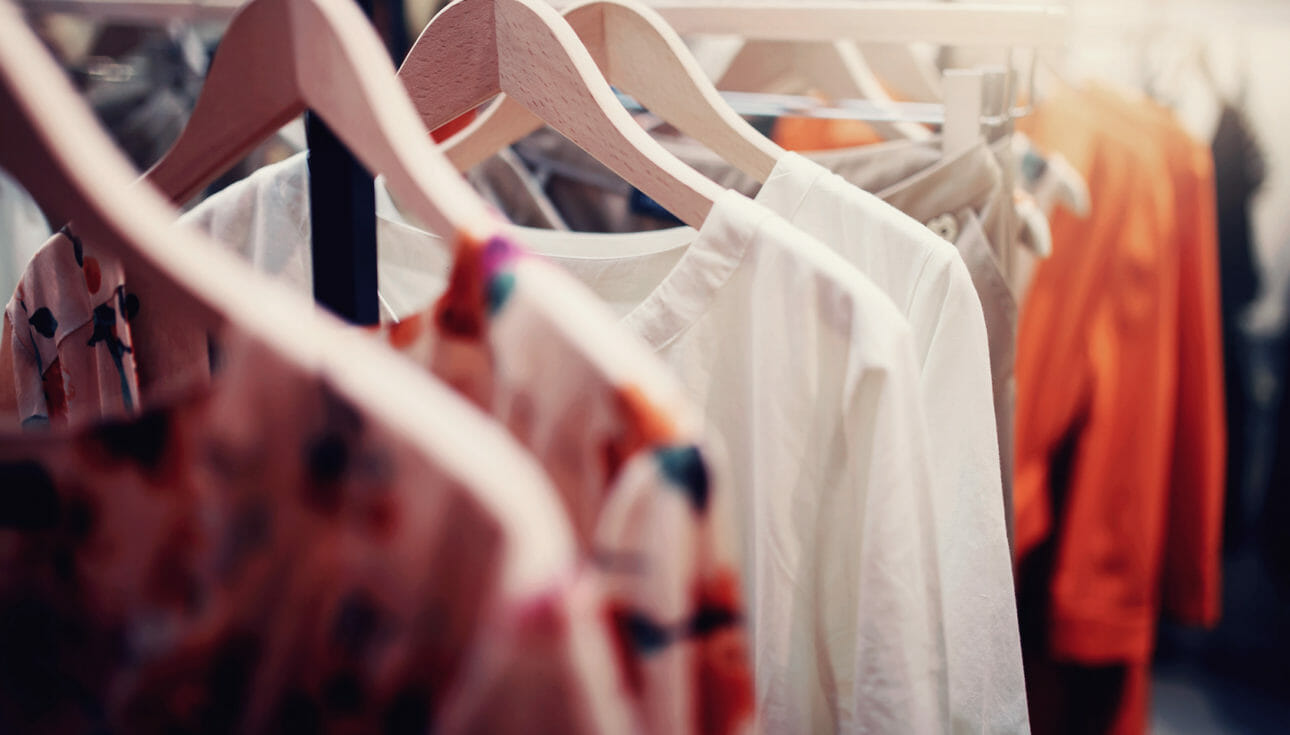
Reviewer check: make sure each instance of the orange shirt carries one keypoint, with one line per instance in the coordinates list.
(1120, 435)
(1119, 360)
(1191, 583)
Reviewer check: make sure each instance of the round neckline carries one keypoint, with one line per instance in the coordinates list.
(709, 255)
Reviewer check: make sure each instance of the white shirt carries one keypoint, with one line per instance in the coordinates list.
(809, 373)
(928, 281)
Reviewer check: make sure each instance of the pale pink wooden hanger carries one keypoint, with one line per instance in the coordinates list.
(476, 49)
(53, 145)
(641, 55)
(834, 67)
(57, 150)
(279, 57)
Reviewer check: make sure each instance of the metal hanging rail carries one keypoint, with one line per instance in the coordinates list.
(157, 11)
(952, 24)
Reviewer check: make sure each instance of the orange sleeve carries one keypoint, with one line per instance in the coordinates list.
(1191, 589)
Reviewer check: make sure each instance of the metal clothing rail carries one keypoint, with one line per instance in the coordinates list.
(951, 24)
(791, 105)
(157, 11)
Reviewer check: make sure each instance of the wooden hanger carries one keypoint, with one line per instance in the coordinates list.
(908, 68)
(279, 57)
(834, 68)
(476, 49)
(641, 55)
(55, 147)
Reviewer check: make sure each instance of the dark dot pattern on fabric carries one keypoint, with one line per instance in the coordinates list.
(80, 519)
(646, 635)
(78, 249)
(229, 680)
(63, 562)
(326, 459)
(356, 623)
(250, 531)
(142, 440)
(32, 631)
(43, 322)
(127, 304)
(408, 713)
(299, 715)
(343, 693)
(710, 619)
(649, 636)
(29, 501)
(686, 471)
(104, 324)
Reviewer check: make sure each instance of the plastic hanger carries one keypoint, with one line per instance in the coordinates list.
(279, 57)
(642, 56)
(476, 49)
(834, 68)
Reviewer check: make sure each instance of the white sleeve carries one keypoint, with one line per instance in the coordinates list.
(897, 658)
(983, 647)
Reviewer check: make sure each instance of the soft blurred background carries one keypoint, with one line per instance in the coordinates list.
(1221, 66)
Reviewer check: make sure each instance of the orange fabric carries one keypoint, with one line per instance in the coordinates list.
(1192, 573)
(1120, 435)
(453, 126)
(815, 134)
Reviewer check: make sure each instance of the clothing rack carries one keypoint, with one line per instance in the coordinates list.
(791, 105)
(951, 24)
(155, 11)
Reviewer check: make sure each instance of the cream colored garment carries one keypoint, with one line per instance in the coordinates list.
(909, 175)
(965, 374)
(929, 282)
(947, 195)
(809, 373)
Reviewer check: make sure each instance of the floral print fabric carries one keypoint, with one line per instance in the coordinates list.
(625, 452)
(610, 428)
(70, 317)
(262, 556)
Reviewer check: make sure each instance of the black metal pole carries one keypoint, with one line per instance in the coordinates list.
(342, 218)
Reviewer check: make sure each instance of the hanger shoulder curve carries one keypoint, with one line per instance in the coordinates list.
(61, 155)
(538, 61)
(280, 57)
(641, 55)
(834, 68)
(651, 63)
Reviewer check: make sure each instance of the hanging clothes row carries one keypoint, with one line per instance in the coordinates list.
(668, 425)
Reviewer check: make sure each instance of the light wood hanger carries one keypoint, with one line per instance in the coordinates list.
(55, 147)
(475, 49)
(641, 55)
(834, 68)
(279, 57)
(908, 68)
